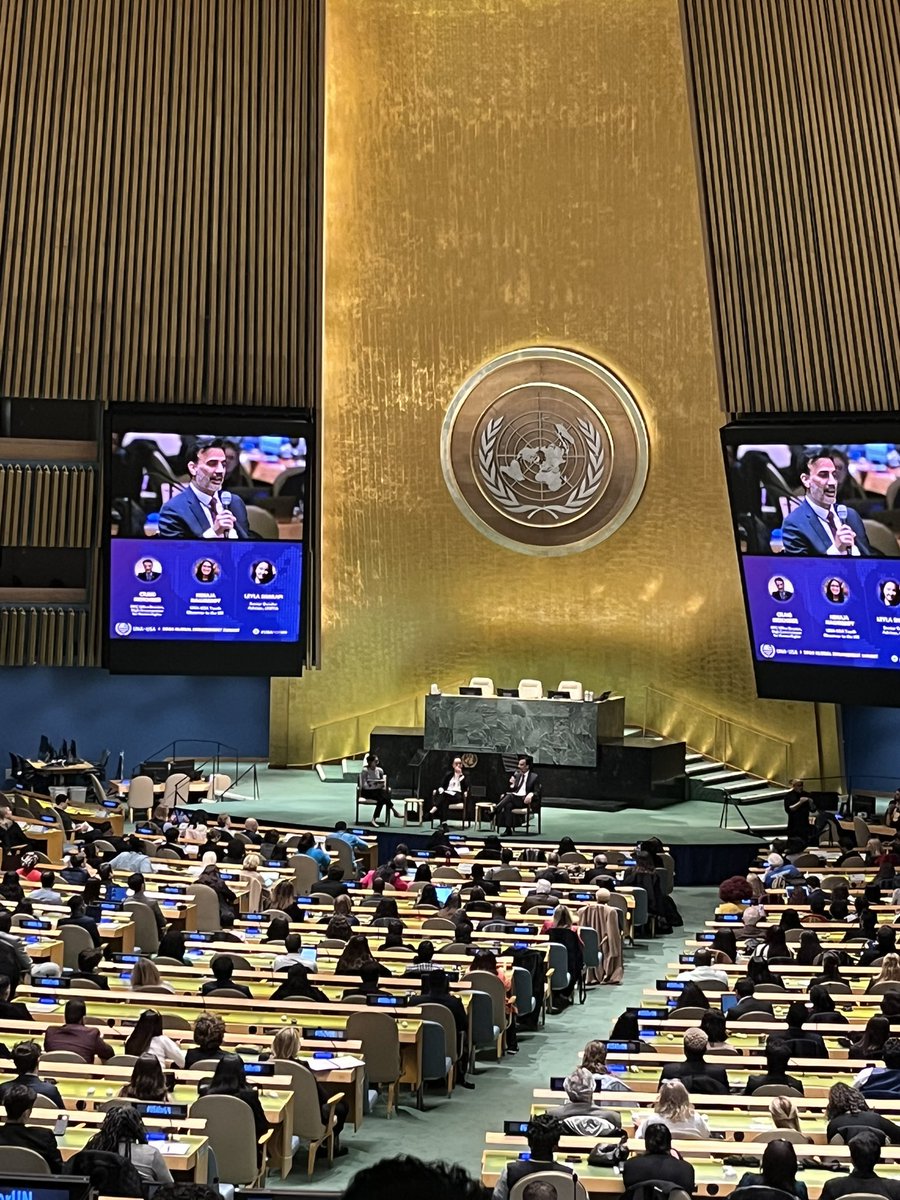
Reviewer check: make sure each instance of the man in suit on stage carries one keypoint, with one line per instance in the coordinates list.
(524, 792)
(198, 511)
(817, 526)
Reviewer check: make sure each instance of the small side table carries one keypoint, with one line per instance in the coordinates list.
(419, 810)
(484, 814)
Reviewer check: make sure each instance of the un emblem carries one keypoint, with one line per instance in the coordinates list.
(544, 451)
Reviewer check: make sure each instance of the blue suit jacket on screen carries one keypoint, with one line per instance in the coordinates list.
(184, 517)
(803, 533)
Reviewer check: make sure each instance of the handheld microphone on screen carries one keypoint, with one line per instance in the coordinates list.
(839, 509)
(225, 500)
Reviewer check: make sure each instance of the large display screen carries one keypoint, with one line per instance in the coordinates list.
(206, 552)
(816, 532)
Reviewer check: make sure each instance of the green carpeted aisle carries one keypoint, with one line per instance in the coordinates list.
(453, 1129)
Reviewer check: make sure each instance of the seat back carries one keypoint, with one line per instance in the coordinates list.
(531, 689)
(62, 1056)
(306, 873)
(485, 981)
(566, 1185)
(434, 1054)
(121, 1060)
(523, 990)
(381, 1045)
(207, 902)
(140, 794)
(481, 1015)
(232, 1136)
(176, 790)
(484, 682)
(74, 939)
(590, 941)
(146, 934)
(776, 1089)
(783, 1135)
(262, 523)
(437, 923)
(559, 966)
(507, 874)
(442, 1016)
(340, 850)
(573, 856)
(308, 1122)
(217, 786)
(19, 1160)
(573, 687)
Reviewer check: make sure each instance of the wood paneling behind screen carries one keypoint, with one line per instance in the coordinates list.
(797, 121)
(160, 200)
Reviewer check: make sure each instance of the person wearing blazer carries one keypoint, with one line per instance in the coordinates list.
(818, 526)
(198, 511)
(524, 792)
(453, 788)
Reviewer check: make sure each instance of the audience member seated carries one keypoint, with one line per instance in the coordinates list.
(356, 955)
(747, 1002)
(778, 1055)
(229, 1080)
(18, 1101)
(209, 1033)
(298, 986)
(88, 962)
(172, 945)
(543, 1136)
(785, 1114)
(46, 893)
(147, 1037)
(147, 1081)
(145, 974)
(406, 1176)
(579, 1115)
(848, 1113)
(871, 1043)
(695, 1068)
(659, 1162)
(333, 883)
(83, 1040)
(779, 1170)
(703, 969)
(223, 970)
(822, 1008)
(674, 1109)
(286, 1046)
(123, 1132)
(593, 1058)
(138, 887)
(26, 1057)
(691, 996)
(889, 973)
(78, 916)
(14, 1010)
(802, 1041)
(15, 961)
(369, 974)
(713, 1025)
(865, 1154)
(883, 1082)
(732, 894)
(885, 943)
(293, 949)
(773, 946)
(133, 858)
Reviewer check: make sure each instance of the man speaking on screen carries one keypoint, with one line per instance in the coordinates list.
(818, 526)
(203, 509)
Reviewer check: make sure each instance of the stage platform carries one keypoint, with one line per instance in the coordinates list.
(706, 854)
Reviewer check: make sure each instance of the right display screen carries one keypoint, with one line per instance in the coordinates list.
(816, 532)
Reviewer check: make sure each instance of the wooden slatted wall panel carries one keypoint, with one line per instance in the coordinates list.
(160, 199)
(48, 505)
(797, 126)
(46, 636)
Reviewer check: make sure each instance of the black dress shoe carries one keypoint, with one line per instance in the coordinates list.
(464, 1083)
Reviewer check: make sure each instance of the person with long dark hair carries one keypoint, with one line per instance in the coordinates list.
(148, 1037)
(428, 897)
(773, 945)
(123, 1132)
(822, 1007)
(356, 955)
(691, 997)
(147, 1081)
(779, 1170)
(297, 986)
(229, 1080)
(172, 945)
(871, 1042)
(725, 943)
(809, 949)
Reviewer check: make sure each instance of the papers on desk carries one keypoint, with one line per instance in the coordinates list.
(179, 1148)
(340, 1062)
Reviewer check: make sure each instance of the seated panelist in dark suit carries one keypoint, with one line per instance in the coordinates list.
(820, 527)
(204, 509)
(524, 791)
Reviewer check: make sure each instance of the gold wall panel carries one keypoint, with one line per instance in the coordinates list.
(500, 175)
(797, 142)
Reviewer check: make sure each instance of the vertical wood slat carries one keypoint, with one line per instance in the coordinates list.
(149, 157)
(797, 130)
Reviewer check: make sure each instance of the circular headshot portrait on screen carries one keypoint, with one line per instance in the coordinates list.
(147, 570)
(835, 590)
(207, 571)
(263, 572)
(889, 593)
(780, 589)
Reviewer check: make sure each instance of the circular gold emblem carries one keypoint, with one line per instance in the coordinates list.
(544, 451)
(470, 761)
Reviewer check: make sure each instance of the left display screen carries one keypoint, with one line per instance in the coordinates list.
(205, 541)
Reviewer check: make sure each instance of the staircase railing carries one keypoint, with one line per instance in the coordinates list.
(705, 731)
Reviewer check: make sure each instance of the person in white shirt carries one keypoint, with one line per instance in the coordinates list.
(673, 1108)
(453, 788)
(147, 1037)
(703, 969)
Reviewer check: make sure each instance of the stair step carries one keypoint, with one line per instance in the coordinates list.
(738, 786)
(759, 796)
(710, 778)
(692, 757)
(706, 764)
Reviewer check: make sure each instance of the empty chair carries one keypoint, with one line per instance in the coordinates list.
(436, 1063)
(306, 873)
(881, 538)
(443, 1017)
(176, 790)
(573, 856)
(485, 981)
(484, 682)
(217, 786)
(531, 689)
(381, 1050)
(140, 796)
(120, 1060)
(262, 523)
(62, 1056)
(573, 687)
(232, 1136)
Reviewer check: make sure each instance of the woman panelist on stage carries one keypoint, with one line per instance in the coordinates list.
(454, 788)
